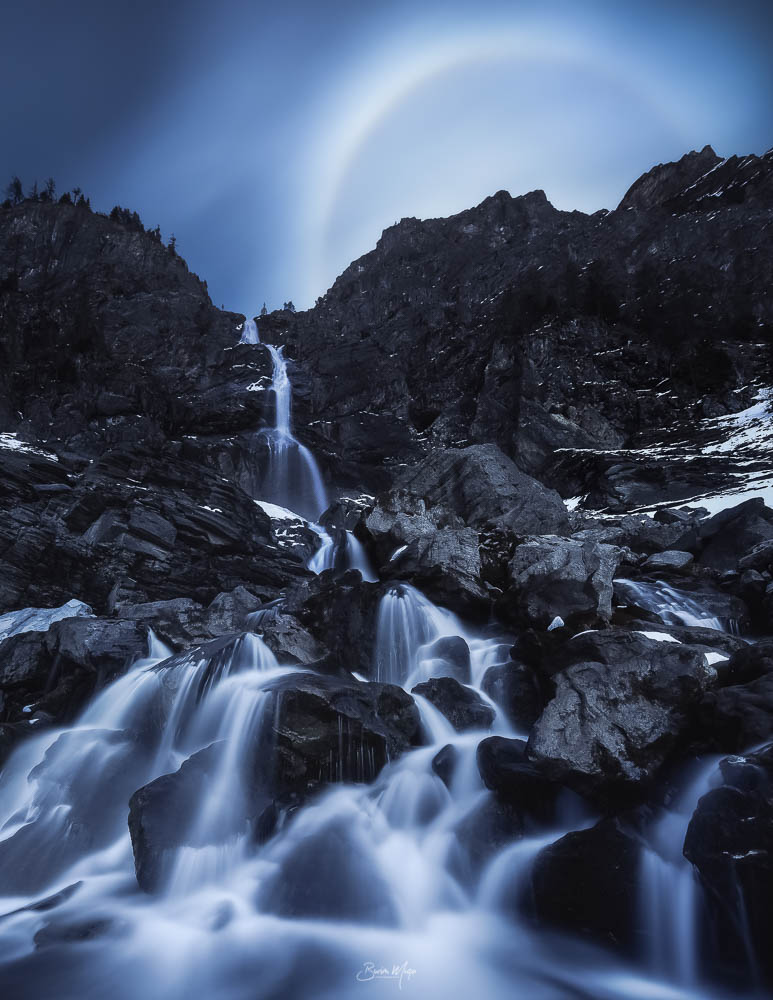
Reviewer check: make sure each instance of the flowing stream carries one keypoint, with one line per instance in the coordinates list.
(368, 890)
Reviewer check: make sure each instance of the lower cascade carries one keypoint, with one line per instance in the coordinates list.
(371, 874)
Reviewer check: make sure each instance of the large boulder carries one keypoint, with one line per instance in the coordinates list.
(506, 769)
(485, 487)
(618, 711)
(161, 814)
(587, 883)
(722, 540)
(55, 672)
(557, 577)
(445, 565)
(463, 708)
(730, 842)
(327, 872)
(517, 690)
(326, 729)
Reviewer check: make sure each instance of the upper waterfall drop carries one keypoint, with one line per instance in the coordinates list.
(291, 477)
(250, 332)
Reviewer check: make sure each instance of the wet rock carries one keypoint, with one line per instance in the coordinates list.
(444, 763)
(340, 613)
(451, 658)
(446, 566)
(618, 711)
(557, 576)
(483, 486)
(669, 561)
(730, 842)
(517, 691)
(286, 637)
(461, 705)
(506, 769)
(329, 873)
(722, 538)
(732, 719)
(328, 730)
(587, 883)
(161, 813)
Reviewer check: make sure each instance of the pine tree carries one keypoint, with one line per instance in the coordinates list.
(15, 191)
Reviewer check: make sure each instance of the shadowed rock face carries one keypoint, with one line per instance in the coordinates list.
(535, 329)
(730, 842)
(618, 712)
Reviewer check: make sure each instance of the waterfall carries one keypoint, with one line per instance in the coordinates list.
(670, 897)
(344, 552)
(291, 477)
(250, 332)
(363, 876)
(673, 607)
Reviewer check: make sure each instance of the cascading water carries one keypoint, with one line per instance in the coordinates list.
(250, 332)
(673, 607)
(363, 878)
(291, 477)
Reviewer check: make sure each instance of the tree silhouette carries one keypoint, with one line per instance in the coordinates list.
(15, 191)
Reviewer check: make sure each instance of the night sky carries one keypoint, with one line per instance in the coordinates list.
(277, 141)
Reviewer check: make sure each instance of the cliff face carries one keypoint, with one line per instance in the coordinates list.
(539, 329)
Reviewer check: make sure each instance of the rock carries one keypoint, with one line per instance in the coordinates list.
(506, 769)
(40, 619)
(749, 662)
(444, 763)
(720, 539)
(730, 842)
(328, 873)
(161, 815)
(326, 730)
(461, 705)
(556, 576)
(618, 712)
(516, 690)
(587, 883)
(450, 657)
(668, 561)
(483, 486)
(446, 566)
(286, 637)
(732, 719)
(340, 614)
(760, 558)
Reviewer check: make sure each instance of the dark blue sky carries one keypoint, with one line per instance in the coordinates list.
(276, 144)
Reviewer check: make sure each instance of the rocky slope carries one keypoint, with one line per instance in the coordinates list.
(455, 384)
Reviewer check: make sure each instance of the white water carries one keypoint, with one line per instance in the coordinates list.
(344, 552)
(673, 607)
(250, 332)
(291, 477)
(366, 876)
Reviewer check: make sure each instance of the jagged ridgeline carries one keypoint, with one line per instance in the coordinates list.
(424, 635)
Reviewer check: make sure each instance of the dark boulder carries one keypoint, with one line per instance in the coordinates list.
(730, 842)
(506, 769)
(587, 884)
(328, 872)
(161, 815)
(618, 712)
(325, 729)
(723, 539)
(463, 708)
(450, 656)
(553, 576)
(483, 486)
(516, 689)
